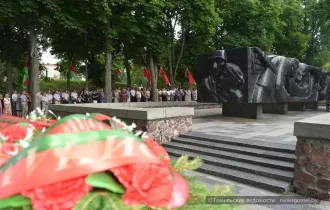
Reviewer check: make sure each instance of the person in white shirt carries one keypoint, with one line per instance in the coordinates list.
(168, 95)
(14, 98)
(57, 98)
(133, 95)
(44, 102)
(74, 97)
(65, 97)
(50, 97)
(138, 95)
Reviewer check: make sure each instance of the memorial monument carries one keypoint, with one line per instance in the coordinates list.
(247, 81)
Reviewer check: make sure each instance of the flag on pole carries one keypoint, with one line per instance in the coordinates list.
(73, 72)
(117, 72)
(26, 74)
(191, 79)
(147, 74)
(162, 72)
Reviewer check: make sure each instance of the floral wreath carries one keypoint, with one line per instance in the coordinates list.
(92, 162)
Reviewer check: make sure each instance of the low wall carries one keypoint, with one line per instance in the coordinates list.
(163, 124)
(193, 104)
(312, 166)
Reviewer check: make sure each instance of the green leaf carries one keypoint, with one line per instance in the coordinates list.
(103, 201)
(173, 163)
(105, 181)
(16, 201)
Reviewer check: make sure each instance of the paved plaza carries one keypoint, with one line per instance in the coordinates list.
(274, 128)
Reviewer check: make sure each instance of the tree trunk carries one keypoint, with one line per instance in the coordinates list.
(86, 74)
(128, 72)
(107, 88)
(154, 77)
(181, 52)
(170, 68)
(108, 60)
(34, 68)
(9, 70)
(68, 75)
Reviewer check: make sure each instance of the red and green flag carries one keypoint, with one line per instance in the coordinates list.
(117, 72)
(73, 72)
(190, 77)
(166, 80)
(147, 74)
(26, 74)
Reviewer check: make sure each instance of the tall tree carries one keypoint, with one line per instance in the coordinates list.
(13, 49)
(291, 39)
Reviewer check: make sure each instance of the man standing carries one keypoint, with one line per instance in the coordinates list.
(133, 95)
(147, 94)
(65, 97)
(74, 97)
(49, 97)
(57, 98)
(14, 100)
(23, 99)
(44, 102)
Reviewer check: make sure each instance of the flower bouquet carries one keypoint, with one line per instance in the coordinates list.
(91, 162)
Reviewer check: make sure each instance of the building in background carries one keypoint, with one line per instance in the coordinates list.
(49, 62)
(50, 72)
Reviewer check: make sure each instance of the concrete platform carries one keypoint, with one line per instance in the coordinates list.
(160, 123)
(268, 128)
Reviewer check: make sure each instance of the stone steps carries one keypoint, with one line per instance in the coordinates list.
(262, 182)
(237, 165)
(269, 146)
(238, 149)
(250, 162)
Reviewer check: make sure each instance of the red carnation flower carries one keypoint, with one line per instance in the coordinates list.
(147, 183)
(15, 132)
(157, 149)
(59, 196)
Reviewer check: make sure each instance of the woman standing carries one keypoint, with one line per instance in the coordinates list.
(19, 106)
(7, 104)
(123, 96)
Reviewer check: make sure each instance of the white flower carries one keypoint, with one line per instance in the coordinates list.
(138, 133)
(23, 143)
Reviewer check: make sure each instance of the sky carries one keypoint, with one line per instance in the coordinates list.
(47, 58)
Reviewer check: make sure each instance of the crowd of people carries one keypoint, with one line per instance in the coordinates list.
(19, 104)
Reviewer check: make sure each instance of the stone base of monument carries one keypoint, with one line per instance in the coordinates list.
(312, 105)
(312, 166)
(275, 108)
(250, 111)
(163, 124)
(297, 106)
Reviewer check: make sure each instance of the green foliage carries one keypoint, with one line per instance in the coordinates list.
(16, 202)
(290, 39)
(104, 181)
(102, 200)
(55, 85)
(183, 164)
(198, 192)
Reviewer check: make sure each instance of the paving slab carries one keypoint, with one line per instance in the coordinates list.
(270, 127)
